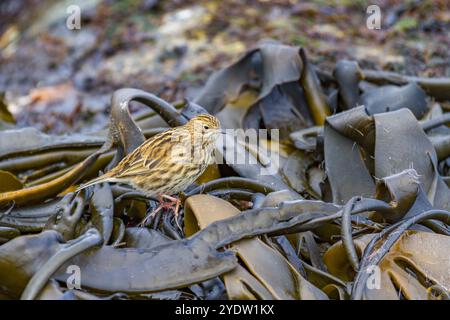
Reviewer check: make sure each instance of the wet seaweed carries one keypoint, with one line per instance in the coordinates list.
(360, 171)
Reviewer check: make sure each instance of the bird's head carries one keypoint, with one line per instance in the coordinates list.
(207, 126)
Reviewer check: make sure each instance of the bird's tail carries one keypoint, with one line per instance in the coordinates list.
(103, 178)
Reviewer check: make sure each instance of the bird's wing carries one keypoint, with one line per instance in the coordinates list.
(147, 156)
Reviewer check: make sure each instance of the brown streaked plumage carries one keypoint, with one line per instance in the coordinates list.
(168, 162)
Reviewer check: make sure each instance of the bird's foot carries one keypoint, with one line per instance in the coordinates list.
(173, 204)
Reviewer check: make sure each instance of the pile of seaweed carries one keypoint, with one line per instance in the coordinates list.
(358, 209)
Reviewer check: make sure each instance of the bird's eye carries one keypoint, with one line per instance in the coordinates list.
(206, 127)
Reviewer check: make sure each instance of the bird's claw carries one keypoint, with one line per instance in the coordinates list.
(173, 204)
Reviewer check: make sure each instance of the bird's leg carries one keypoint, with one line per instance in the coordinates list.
(173, 204)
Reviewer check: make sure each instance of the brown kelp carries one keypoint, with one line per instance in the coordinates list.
(358, 207)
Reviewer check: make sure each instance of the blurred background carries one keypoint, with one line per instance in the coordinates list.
(61, 80)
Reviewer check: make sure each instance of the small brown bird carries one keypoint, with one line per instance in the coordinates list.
(169, 162)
